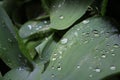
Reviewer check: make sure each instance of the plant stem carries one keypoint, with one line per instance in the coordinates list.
(104, 6)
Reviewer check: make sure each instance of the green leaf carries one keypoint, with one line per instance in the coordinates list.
(23, 73)
(65, 12)
(46, 47)
(35, 29)
(36, 73)
(89, 50)
(9, 50)
(1, 76)
(16, 74)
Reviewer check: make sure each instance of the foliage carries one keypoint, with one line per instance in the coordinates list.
(58, 40)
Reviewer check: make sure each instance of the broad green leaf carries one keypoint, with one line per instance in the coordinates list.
(36, 73)
(9, 50)
(35, 29)
(23, 73)
(17, 74)
(65, 12)
(88, 51)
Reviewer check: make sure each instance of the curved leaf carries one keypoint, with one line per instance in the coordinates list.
(16, 74)
(23, 73)
(88, 51)
(65, 12)
(35, 27)
(46, 47)
(9, 50)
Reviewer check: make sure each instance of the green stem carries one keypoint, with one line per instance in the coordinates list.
(104, 6)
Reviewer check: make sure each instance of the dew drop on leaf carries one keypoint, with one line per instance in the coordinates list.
(112, 50)
(78, 66)
(20, 69)
(64, 40)
(60, 57)
(9, 40)
(85, 21)
(113, 67)
(90, 75)
(116, 46)
(61, 17)
(52, 75)
(53, 67)
(113, 54)
(103, 56)
(59, 68)
(59, 5)
(96, 33)
(97, 70)
(76, 34)
(45, 22)
(30, 27)
(53, 59)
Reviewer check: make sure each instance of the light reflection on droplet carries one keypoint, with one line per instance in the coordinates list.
(97, 70)
(64, 40)
(59, 68)
(78, 66)
(61, 17)
(116, 46)
(103, 56)
(30, 27)
(53, 59)
(85, 21)
(113, 54)
(113, 67)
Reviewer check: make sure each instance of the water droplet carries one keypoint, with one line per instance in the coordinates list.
(20, 69)
(9, 40)
(55, 54)
(45, 22)
(53, 67)
(4, 49)
(61, 17)
(53, 59)
(113, 54)
(39, 27)
(90, 75)
(85, 42)
(116, 46)
(78, 66)
(60, 52)
(53, 76)
(112, 50)
(96, 50)
(76, 34)
(96, 34)
(30, 27)
(59, 5)
(78, 29)
(59, 68)
(113, 67)
(19, 56)
(97, 70)
(60, 57)
(103, 56)
(85, 21)
(64, 40)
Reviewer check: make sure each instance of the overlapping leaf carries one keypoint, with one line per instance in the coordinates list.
(64, 13)
(89, 51)
(35, 28)
(9, 50)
